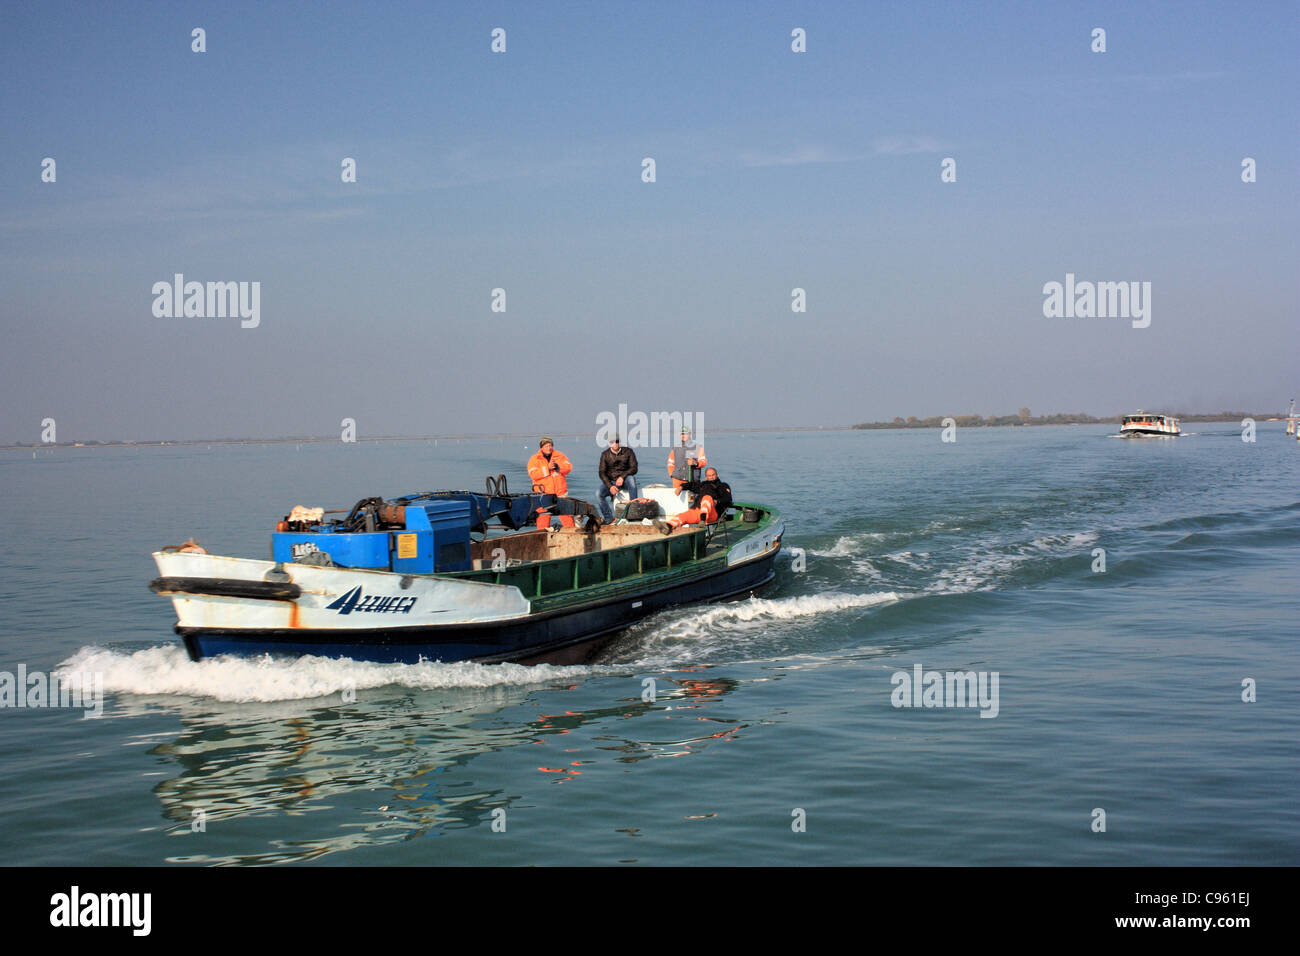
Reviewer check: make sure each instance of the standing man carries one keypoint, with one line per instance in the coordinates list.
(685, 462)
(546, 470)
(617, 468)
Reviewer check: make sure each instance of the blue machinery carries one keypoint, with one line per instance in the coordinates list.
(424, 533)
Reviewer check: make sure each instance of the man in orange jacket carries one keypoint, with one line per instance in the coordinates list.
(546, 470)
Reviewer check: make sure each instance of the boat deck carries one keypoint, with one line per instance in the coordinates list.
(546, 545)
(569, 565)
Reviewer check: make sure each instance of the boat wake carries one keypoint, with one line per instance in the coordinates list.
(945, 566)
(682, 636)
(984, 571)
(848, 545)
(736, 630)
(851, 545)
(168, 670)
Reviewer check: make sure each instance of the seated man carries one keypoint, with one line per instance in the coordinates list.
(714, 500)
(617, 473)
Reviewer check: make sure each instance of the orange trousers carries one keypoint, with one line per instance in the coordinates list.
(544, 519)
(705, 511)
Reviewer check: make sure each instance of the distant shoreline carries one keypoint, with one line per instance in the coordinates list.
(318, 439)
(965, 421)
(1010, 421)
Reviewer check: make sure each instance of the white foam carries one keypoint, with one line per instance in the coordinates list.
(905, 558)
(979, 573)
(846, 546)
(737, 630)
(1057, 541)
(866, 569)
(784, 609)
(169, 670)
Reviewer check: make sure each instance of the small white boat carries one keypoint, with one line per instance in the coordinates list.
(1144, 425)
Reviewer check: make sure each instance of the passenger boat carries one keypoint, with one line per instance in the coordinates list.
(461, 576)
(1143, 425)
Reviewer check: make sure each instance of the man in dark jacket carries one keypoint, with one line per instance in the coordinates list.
(712, 499)
(617, 468)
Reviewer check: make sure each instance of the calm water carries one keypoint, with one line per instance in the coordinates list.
(1119, 690)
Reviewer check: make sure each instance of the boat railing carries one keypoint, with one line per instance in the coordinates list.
(540, 579)
(652, 556)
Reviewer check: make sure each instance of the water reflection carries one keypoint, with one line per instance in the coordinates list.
(689, 694)
(387, 768)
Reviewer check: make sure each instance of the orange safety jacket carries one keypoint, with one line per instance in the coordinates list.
(545, 481)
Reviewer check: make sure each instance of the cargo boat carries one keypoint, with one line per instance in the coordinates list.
(461, 576)
(1143, 425)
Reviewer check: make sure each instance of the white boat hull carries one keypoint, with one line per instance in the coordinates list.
(331, 598)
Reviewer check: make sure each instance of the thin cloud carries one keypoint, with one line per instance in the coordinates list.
(898, 145)
(903, 145)
(803, 156)
(1158, 82)
(299, 182)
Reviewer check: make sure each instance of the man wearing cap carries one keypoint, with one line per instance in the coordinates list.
(685, 462)
(546, 470)
(617, 468)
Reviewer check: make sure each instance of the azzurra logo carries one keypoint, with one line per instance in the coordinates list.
(354, 600)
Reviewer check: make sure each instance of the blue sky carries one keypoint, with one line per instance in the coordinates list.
(522, 170)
